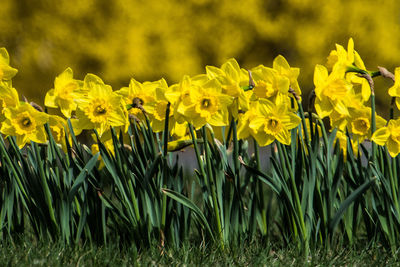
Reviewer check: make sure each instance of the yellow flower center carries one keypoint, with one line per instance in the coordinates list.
(360, 126)
(24, 123)
(264, 90)
(98, 110)
(206, 103)
(101, 110)
(272, 126)
(207, 106)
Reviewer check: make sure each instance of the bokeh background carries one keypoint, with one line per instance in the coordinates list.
(150, 39)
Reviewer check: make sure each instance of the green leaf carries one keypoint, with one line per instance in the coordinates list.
(82, 175)
(347, 202)
(188, 203)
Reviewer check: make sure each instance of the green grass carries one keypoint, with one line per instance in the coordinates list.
(28, 253)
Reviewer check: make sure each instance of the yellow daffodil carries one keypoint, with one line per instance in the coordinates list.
(25, 123)
(268, 82)
(233, 80)
(66, 90)
(273, 122)
(389, 136)
(359, 123)
(244, 119)
(8, 97)
(100, 109)
(331, 91)
(157, 118)
(141, 96)
(283, 68)
(394, 91)
(6, 72)
(58, 127)
(349, 58)
(353, 102)
(342, 59)
(342, 56)
(200, 101)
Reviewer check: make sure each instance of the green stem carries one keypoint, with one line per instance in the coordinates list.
(236, 154)
(260, 189)
(47, 193)
(296, 195)
(10, 164)
(150, 133)
(392, 184)
(212, 185)
(134, 201)
(197, 152)
(165, 167)
(303, 120)
(373, 124)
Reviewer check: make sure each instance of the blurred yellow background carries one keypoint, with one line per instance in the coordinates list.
(151, 39)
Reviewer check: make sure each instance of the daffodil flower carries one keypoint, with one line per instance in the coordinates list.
(342, 59)
(359, 123)
(268, 82)
(58, 127)
(25, 123)
(394, 91)
(331, 91)
(100, 109)
(233, 79)
(199, 100)
(65, 93)
(281, 65)
(8, 98)
(389, 136)
(6, 72)
(273, 123)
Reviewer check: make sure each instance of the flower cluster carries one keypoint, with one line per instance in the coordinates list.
(259, 100)
(343, 95)
(262, 101)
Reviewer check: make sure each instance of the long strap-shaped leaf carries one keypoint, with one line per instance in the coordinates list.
(188, 203)
(347, 202)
